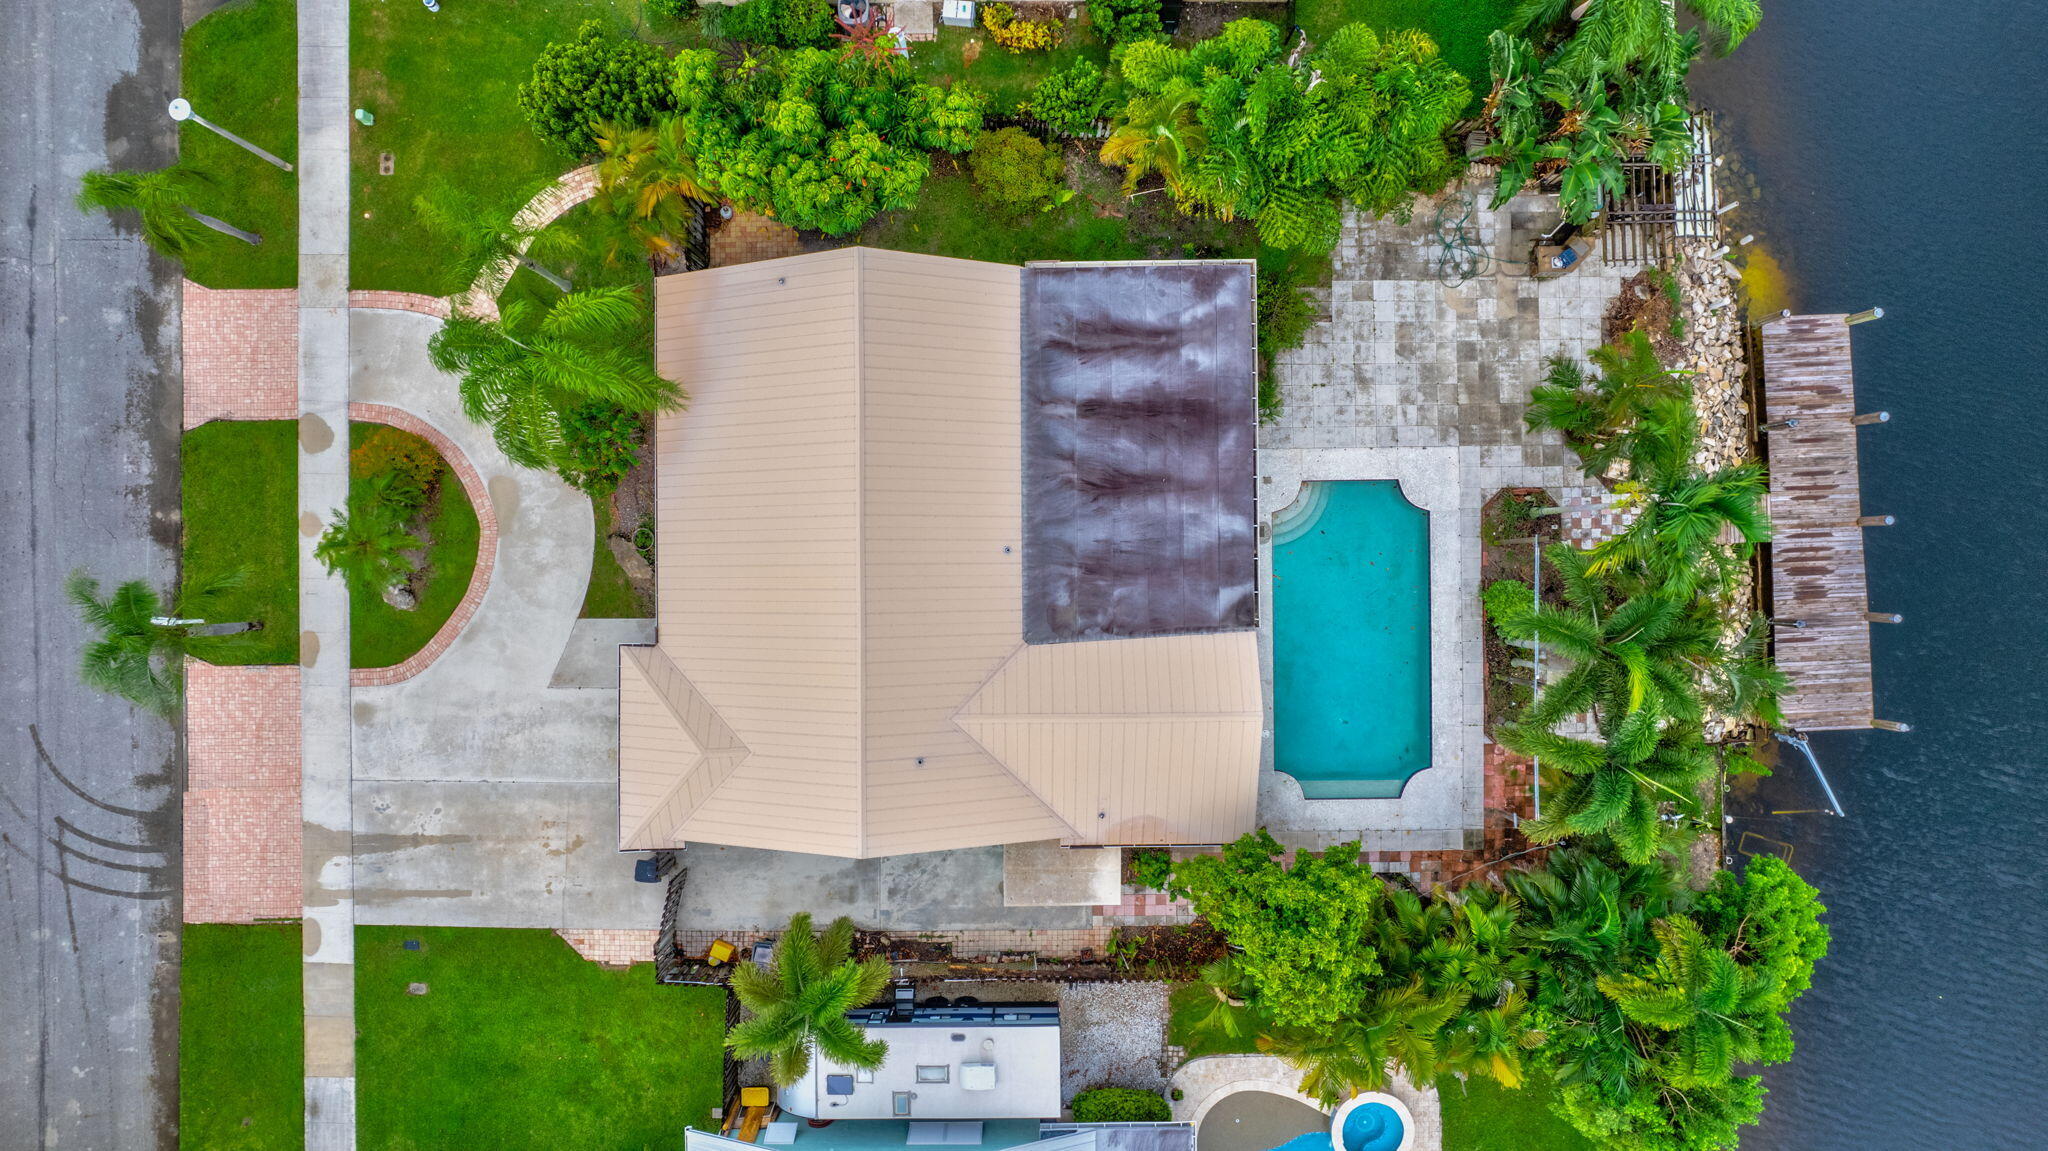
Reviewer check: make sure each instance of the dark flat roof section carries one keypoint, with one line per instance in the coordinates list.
(1140, 403)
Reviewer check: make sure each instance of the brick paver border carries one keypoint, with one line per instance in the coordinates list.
(486, 544)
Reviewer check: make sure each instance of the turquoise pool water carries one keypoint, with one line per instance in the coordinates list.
(1373, 1127)
(1351, 640)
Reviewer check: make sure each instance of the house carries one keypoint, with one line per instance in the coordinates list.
(952, 554)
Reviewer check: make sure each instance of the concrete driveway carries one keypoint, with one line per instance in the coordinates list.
(484, 796)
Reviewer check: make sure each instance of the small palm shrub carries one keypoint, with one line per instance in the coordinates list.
(1014, 169)
(1015, 34)
(1071, 99)
(1121, 1105)
(133, 654)
(366, 544)
(1122, 20)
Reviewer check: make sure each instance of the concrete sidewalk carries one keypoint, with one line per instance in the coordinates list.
(329, 913)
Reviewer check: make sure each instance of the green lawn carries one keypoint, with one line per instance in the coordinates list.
(241, 509)
(610, 595)
(1459, 27)
(1179, 1002)
(1481, 1115)
(241, 1052)
(444, 88)
(1006, 75)
(380, 635)
(241, 72)
(521, 1043)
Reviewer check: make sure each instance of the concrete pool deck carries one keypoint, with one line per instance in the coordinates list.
(1209, 1080)
(1418, 380)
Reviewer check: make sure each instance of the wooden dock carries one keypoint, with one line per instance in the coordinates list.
(1819, 596)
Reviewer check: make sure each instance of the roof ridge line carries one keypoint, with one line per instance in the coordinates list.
(860, 553)
(1002, 764)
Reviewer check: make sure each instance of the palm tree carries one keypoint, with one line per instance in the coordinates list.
(1612, 789)
(522, 370)
(140, 651)
(802, 998)
(1218, 1013)
(1630, 404)
(1698, 995)
(1492, 1040)
(366, 544)
(651, 175)
(1746, 683)
(1636, 663)
(1157, 135)
(1674, 540)
(164, 200)
(1612, 35)
(488, 233)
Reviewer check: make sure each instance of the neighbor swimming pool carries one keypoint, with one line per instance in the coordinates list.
(1351, 639)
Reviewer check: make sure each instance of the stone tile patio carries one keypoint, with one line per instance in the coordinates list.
(1418, 374)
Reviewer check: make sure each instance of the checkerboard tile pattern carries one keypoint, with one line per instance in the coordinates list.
(747, 237)
(241, 354)
(1142, 907)
(241, 805)
(1593, 515)
(486, 544)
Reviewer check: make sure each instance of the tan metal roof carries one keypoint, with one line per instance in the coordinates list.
(841, 667)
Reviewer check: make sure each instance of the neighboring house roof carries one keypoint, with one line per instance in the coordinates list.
(841, 666)
(957, 1069)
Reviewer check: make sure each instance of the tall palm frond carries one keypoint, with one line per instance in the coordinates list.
(163, 199)
(799, 1002)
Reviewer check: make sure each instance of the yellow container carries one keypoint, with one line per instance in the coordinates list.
(753, 1097)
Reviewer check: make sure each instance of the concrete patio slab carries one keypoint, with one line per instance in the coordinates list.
(1044, 874)
(591, 657)
(746, 888)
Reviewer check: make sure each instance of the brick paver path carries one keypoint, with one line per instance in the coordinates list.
(613, 947)
(242, 793)
(241, 352)
(748, 237)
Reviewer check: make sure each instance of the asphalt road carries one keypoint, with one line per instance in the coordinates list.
(89, 399)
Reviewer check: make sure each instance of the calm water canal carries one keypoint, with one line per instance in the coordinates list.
(1892, 153)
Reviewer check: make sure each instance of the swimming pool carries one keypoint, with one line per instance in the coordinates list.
(1351, 639)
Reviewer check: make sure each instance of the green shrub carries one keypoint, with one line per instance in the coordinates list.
(1121, 1105)
(672, 10)
(1151, 867)
(1121, 20)
(1071, 99)
(1286, 313)
(779, 23)
(412, 463)
(600, 444)
(1014, 169)
(595, 77)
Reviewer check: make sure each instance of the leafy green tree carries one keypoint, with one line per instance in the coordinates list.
(1070, 99)
(1236, 130)
(1303, 932)
(595, 78)
(163, 198)
(1769, 920)
(366, 543)
(819, 139)
(139, 650)
(1119, 21)
(1616, 34)
(520, 372)
(802, 998)
(1014, 170)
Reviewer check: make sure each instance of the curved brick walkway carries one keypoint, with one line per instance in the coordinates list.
(481, 300)
(486, 543)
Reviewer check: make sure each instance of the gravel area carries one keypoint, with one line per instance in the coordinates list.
(1113, 1035)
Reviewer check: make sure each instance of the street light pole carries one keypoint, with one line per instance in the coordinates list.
(181, 110)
